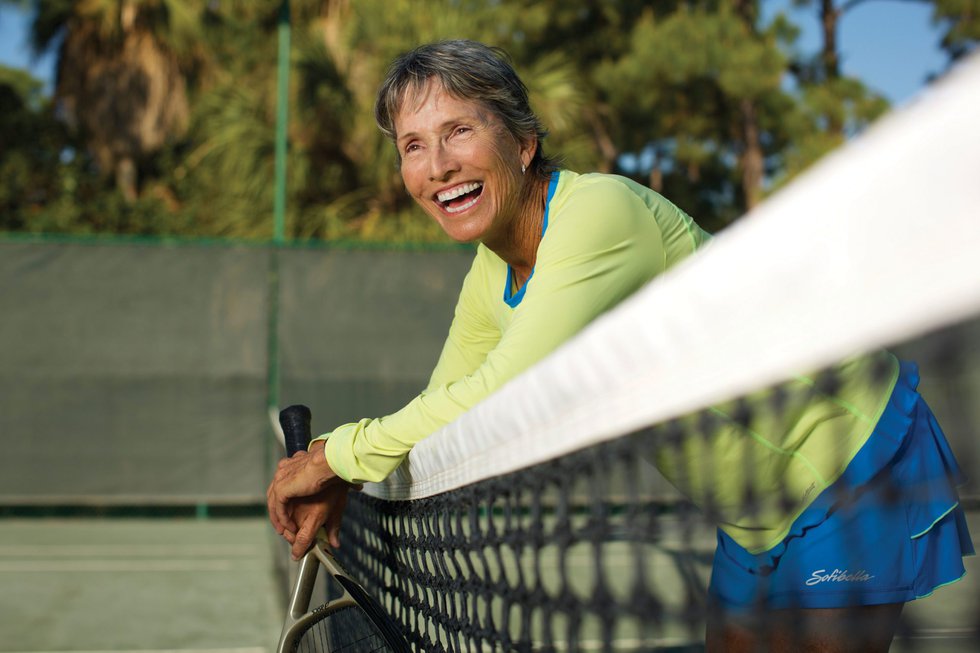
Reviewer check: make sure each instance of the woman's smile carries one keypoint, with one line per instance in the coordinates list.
(460, 198)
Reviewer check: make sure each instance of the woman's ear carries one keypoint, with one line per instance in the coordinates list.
(528, 148)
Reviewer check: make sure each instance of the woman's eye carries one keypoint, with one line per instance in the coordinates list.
(461, 130)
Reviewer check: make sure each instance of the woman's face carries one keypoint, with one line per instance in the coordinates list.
(460, 164)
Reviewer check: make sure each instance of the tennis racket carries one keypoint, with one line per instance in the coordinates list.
(352, 623)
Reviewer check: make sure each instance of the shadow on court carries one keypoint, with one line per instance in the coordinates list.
(210, 586)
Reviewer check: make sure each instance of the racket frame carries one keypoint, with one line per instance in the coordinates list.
(295, 422)
(299, 617)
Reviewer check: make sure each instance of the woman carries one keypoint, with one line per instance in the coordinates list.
(557, 249)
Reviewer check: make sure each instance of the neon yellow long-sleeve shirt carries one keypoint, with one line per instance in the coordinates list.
(604, 237)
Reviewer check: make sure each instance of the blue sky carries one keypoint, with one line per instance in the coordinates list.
(890, 45)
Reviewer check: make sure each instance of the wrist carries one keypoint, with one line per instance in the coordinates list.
(318, 458)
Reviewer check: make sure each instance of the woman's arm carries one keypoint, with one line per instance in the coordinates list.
(596, 253)
(473, 332)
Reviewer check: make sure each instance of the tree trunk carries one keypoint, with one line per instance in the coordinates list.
(829, 56)
(752, 163)
(126, 178)
(830, 59)
(657, 178)
(607, 148)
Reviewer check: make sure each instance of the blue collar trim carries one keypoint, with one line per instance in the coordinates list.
(514, 299)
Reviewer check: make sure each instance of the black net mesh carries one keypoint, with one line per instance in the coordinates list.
(519, 563)
(588, 552)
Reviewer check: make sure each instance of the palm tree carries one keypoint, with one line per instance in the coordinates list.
(120, 76)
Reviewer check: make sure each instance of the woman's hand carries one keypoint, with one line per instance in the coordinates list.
(310, 513)
(305, 475)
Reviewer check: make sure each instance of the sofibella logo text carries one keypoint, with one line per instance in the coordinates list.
(838, 576)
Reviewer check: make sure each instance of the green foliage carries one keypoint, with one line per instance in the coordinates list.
(678, 94)
(32, 141)
(961, 21)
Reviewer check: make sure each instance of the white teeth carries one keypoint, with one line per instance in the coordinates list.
(457, 209)
(459, 190)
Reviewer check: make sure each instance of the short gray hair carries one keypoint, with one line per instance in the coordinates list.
(468, 71)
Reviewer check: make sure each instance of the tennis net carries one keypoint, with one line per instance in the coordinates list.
(541, 521)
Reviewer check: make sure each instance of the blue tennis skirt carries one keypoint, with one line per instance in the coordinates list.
(889, 530)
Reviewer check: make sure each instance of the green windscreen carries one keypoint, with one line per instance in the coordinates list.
(136, 372)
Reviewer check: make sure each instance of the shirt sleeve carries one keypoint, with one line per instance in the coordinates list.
(473, 332)
(598, 250)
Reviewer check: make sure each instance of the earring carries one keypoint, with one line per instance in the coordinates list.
(523, 168)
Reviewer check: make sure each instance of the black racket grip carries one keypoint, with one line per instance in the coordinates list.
(295, 422)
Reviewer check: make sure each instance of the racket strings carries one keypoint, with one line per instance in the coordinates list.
(346, 630)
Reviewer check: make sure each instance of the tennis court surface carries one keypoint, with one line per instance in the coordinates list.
(187, 586)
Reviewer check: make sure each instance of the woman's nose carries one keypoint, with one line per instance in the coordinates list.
(442, 163)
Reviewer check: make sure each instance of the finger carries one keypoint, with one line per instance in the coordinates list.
(273, 517)
(303, 540)
(332, 525)
(282, 516)
(279, 512)
(270, 506)
(333, 536)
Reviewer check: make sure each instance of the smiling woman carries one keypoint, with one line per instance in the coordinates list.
(557, 249)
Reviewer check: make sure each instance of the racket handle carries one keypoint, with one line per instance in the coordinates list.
(295, 422)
